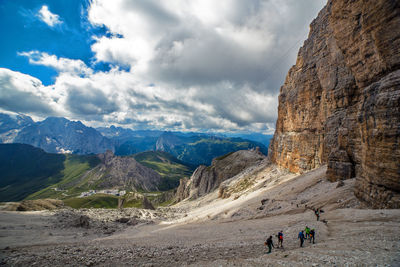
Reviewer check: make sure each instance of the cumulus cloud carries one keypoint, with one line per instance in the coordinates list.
(47, 17)
(59, 64)
(230, 56)
(23, 93)
(199, 42)
(187, 65)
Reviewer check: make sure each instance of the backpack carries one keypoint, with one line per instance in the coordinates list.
(280, 236)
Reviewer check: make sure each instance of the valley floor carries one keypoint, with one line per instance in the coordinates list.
(212, 231)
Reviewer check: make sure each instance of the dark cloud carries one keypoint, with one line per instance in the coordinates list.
(152, 10)
(89, 101)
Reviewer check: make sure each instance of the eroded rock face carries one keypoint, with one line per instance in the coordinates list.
(207, 178)
(124, 172)
(340, 103)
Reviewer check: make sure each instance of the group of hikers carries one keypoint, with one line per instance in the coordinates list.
(309, 235)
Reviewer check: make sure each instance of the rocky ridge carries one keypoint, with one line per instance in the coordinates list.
(124, 173)
(340, 103)
(208, 178)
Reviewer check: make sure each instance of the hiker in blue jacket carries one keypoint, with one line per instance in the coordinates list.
(301, 237)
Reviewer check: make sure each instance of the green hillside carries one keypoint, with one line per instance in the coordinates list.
(95, 201)
(169, 167)
(28, 172)
(25, 169)
(73, 178)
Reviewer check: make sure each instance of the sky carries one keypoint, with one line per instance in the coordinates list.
(186, 65)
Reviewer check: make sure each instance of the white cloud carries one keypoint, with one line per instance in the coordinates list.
(193, 65)
(47, 17)
(117, 97)
(59, 64)
(23, 93)
(203, 41)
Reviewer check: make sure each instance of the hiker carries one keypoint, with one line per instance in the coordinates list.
(312, 236)
(280, 239)
(317, 214)
(301, 237)
(307, 230)
(269, 243)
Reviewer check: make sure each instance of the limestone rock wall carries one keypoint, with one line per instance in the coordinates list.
(205, 179)
(340, 103)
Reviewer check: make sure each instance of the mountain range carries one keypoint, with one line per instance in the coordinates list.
(60, 135)
(31, 173)
(201, 149)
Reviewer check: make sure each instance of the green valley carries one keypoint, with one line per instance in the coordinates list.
(169, 167)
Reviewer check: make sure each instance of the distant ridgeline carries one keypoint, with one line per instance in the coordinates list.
(28, 172)
(59, 135)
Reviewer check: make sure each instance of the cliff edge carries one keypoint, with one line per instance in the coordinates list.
(340, 103)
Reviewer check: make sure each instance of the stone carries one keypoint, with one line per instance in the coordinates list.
(82, 221)
(123, 220)
(340, 103)
(132, 222)
(146, 204)
(340, 184)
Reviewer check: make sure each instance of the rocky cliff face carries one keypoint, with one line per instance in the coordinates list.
(340, 103)
(207, 178)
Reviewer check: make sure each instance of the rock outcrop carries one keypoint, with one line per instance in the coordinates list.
(207, 178)
(340, 103)
(124, 173)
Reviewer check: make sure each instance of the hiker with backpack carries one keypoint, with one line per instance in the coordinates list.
(312, 236)
(301, 237)
(270, 244)
(280, 239)
(307, 230)
(317, 213)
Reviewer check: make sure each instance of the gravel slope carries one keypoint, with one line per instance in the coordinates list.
(212, 231)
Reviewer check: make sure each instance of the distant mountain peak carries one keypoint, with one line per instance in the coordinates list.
(60, 135)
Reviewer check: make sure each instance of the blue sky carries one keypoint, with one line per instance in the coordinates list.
(25, 31)
(199, 65)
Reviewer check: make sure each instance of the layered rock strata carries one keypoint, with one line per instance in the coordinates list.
(208, 178)
(340, 103)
